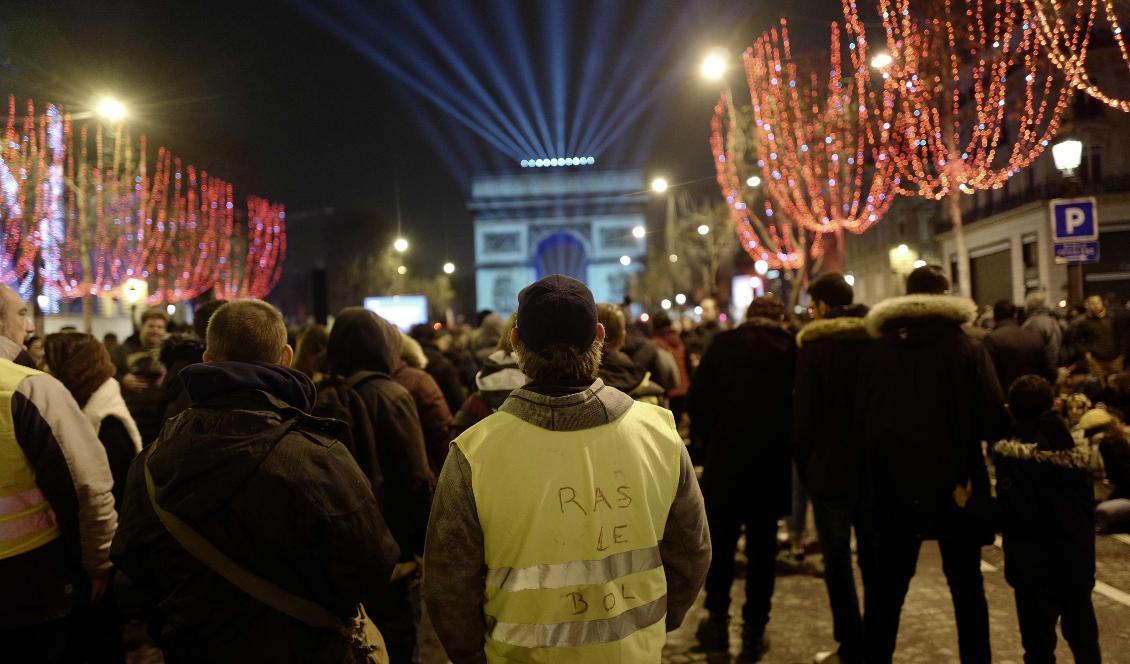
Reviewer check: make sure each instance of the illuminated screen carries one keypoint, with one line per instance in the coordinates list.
(403, 311)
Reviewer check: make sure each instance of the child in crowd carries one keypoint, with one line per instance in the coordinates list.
(1046, 513)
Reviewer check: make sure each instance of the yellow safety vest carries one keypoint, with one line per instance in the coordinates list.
(571, 525)
(26, 519)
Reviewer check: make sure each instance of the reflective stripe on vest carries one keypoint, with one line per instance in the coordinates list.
(571, 527)
(26, 519)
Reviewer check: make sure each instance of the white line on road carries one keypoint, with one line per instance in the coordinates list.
(1112, 593)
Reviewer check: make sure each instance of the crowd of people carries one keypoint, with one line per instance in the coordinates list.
(250, 492)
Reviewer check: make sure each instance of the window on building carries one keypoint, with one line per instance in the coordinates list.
(1091, 166)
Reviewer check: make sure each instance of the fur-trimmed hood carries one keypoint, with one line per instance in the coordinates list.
(846, 327)
(1076, 458)
(960, 310)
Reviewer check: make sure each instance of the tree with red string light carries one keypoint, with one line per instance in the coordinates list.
(977, 99)
(817, 137)
(1065, 30)
(251, 254)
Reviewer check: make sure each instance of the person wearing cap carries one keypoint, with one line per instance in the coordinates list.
(568, 526)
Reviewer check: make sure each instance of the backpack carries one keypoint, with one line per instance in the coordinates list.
(339, 399)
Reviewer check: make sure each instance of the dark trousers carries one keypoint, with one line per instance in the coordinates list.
(761, 550)
(1039, 610)
(892, 563)
(834, 520)
(46, 642)
(397, 615)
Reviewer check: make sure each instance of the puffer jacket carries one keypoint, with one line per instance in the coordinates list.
(618, 370)
(363, 341)
(499, 377)
(271, 488)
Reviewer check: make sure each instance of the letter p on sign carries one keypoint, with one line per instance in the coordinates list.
(1074, 220)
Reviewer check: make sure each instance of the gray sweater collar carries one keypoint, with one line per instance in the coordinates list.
(595, 406)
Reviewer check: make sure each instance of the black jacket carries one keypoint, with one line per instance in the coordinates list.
(270, 487)
(445, 374)
(741, 402)
(1017, 351)
(1045, 508)
(826, 447)
(928, 396)
(363, 341)
(178, 352)
(618, 370)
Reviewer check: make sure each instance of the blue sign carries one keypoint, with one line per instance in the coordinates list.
(1076, 252)
(1074, 220)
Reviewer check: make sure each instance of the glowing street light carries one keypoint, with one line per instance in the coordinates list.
(665, 304)
(902, 251)
(674, 258)
(703, 229)
(850, 279)
(402, 270)
(171, 309)
(625, 261)
(111, 109)
(919, 263)
(753, 181)
(714, 66)
(698, 311)
(1068, 154)
(449, 268)
(659, 185)
(761, 266)
(881, 60)
(639, 232)
(401, 245)
(680, 299)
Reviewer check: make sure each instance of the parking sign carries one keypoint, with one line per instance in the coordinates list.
(1074, 219)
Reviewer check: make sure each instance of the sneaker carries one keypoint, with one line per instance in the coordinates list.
(827, 657)
(713, 634)
(754, 646)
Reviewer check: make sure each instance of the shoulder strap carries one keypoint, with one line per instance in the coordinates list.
(261, 589)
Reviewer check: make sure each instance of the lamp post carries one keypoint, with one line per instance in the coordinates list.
(132, 292)
(1068, 154)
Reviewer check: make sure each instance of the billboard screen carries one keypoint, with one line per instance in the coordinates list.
(403, 311)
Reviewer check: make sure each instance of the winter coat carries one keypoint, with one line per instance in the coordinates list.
(362, 341)
(107, 413)
(1016, 352)
(1104, 338)
(647, 355)
(178, 352)
(826, 446)
(499, 377)
(669, 341)
(1045, 508)
(928, 395)
(741, 403)
(435, 418)
(1115, 451)
(445, 374)
(618, 370)
(270, 487)
(1042, 322)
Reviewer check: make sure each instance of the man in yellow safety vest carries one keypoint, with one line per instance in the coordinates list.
(568, 526)
(56, 510)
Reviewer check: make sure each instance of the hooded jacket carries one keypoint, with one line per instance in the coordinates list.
(928, 395)
(1018, 351)
(432, 410)
(499, 377)
(668, 340)
(1045, 507)
(741, 402)
(826, 446)
(363, 341)
(455, 558)
(271, 488)
(618, 370)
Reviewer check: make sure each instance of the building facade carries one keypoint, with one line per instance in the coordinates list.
(577, 222)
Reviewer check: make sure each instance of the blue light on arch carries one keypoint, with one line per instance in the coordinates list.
(561, 253)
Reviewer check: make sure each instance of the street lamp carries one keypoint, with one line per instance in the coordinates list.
(703, 229)
(680, 299)
(659, 185)
(449, 268)
(625, 261)
(401, 245)
(132, 292)
(665, 304)
(919, 263)
(1068, 154)
(714, 65)
(639, 232)
(753, 181)
(111, 109)
(881, 60)
(402, 270)
(761, 266)
(674, 258)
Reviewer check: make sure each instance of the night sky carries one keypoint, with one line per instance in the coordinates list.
(264, 95)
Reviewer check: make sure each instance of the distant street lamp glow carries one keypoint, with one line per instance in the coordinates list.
(698, 311)
(402, 270)
(761, 266)
(665, 304)
(850, 279)
(111, 109)
(639, 232)
(43, 301)
(902, 251)
(680, 299)
(644, 317)
(881, 60)
(674, 258)
(703, 229)
(625, 260)
(659, 185)
(714, 66)
(753, 181)
(919, 263)
(449, 268)
(171, 309)
(1068, 154)
(401, 245)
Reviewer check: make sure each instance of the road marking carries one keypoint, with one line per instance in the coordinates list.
(986, 567)
(1125, 539)
(1111, 592)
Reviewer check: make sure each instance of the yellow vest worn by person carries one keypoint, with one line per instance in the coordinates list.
(571, 525)
(26, 519)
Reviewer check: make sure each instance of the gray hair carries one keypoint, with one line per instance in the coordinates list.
(1035, 301)
(559, 363)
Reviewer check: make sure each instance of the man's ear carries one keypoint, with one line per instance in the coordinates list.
(287, 356)
(600, 332)
(208, 359)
